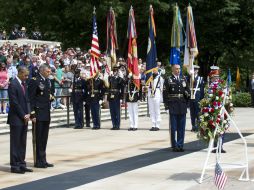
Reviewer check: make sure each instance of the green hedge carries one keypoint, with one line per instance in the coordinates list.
(241, 99)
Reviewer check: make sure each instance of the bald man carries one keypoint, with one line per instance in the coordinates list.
(176, 93)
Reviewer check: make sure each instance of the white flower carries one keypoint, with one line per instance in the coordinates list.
(225, 121)
(216, 98)
(210, 95)
(206, 114)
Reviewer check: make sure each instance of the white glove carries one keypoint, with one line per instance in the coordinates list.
(191, 71)
(100, 102)
(130, 75)
(111, 73)
(120, 74)
(167, 111)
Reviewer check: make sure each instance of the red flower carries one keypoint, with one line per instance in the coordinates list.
(219, 104)
(212, 110)
(220, 93)
(214, 103)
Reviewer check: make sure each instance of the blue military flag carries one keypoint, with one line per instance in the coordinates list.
(151, 57)
(176, 37)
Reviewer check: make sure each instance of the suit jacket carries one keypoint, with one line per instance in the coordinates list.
(40, 97)
(175, 95)
(19, 103)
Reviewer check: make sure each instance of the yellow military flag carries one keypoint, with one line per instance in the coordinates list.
(238, 78)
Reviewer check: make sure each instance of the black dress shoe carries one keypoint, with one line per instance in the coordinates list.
(77, 127)
(175, 149)
(152, 129)
(17, 171)
(180, 150)
(49, 165)
(135, 129)
(117, 128)
(113, 128)
(130, 129)
(223, 151)
(156, 129)
(88, 126)
(25, 169)
(40, 166)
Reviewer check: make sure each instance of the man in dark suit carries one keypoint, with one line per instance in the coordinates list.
(176, 93)
(40, 98)
(18, 118)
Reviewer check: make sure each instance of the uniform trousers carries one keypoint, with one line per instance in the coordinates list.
(154, 110)
(114, 106)
(177, 122)
(133, 114)
(95, 111)
(87, 113)
(18, 136)
(194, 110)
(41, 132)
(78, 114)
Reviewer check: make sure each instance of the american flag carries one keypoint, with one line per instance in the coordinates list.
(95, 49)
(220, 177)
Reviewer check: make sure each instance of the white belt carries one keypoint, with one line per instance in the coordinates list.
(195, 89)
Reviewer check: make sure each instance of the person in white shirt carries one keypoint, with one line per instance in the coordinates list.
(154, 99)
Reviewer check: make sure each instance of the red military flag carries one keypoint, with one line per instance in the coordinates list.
(95, 49)
(132, 49)
(112, 44)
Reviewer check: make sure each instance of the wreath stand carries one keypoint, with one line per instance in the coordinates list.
(243, 165)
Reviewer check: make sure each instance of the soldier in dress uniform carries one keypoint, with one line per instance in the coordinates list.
(95, 90)
(115, 93)
(154, 98)
(40, 101)
(85, 74)
(77, 97)
(198, 92)
(133, 97)
(176, 93)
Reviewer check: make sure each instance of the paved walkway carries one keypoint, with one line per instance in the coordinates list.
(108, 160)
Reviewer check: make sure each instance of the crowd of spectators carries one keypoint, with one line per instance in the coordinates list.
(20, 33)
(63, 65)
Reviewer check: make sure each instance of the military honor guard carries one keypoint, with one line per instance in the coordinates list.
(133, 97)
(154, 99)
(176, 93)
(85, 75)
(95, 90)
(198, 94)
(18, 117)
(77, 97)
(115, 94)
(40, 101)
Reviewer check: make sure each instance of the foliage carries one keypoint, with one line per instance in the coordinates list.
(242, 99)
(224, 28)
